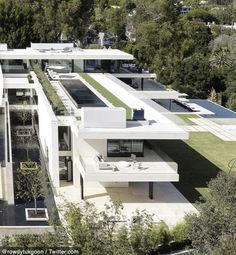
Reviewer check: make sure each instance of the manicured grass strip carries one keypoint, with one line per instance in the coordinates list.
(185, 118)
(199, 160)
(107, 94)
(53, 98)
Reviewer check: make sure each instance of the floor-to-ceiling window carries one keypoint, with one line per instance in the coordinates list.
(124, 148)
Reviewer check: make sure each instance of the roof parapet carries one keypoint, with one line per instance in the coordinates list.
(3, 47)
(50, 46)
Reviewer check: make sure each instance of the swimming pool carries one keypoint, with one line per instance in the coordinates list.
(81, 94)
(218, 110)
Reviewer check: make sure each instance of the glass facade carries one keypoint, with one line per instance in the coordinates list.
(59, 66)
(14, 66)
(107, 66)
(22, 96)
(65, 167)
(124, 148)
(64, 138)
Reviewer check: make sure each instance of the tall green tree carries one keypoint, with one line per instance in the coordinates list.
(30, 184)
(217, 215)
(16, 19)
(46, 25)
(74, 17)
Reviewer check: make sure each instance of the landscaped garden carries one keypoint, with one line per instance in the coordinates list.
(107, 94)
(199, 160)
(51, 94)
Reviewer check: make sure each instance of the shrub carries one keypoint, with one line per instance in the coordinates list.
(156, 235)
(49, 91)
(179, 232)
(29, 77)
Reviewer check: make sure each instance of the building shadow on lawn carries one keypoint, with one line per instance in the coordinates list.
(195, 171)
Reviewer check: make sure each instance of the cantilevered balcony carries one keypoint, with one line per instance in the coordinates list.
(152, 167)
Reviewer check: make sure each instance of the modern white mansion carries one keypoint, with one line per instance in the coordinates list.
(103, 133)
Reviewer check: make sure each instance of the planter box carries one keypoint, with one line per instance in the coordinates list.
(41, 216)
(23, 133)
(29, 165)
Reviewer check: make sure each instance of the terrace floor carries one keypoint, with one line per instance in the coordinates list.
(152, 167)
(168, 205)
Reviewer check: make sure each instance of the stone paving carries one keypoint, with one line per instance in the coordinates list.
(168, 205)
(216, 129)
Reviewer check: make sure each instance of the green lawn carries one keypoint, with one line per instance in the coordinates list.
(199, 159)
(107, 94)
(185, 118)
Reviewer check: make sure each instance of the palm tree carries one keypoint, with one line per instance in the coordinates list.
(220, 57)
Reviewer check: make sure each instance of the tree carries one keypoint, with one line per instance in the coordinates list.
(220, 57)
(226, 246)
(202, 15)
(221, 2)
(97, 233)
(74, 17)
(44, 241)
(179, 232)
(16, 18)
(231, 103)
(145, 236)
(29, 184)
(46, 27)
(217, 215)
(28, 139)
(24, 116)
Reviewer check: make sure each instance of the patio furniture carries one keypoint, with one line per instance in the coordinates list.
(139, 165)
(101, 164)
(133, 157)
(123, 164)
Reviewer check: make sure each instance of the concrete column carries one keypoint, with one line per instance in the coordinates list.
(142, 81)
(150, 186)
(170, 104)
(82, 187)
(54, 155)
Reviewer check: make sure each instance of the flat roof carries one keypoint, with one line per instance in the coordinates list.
(75, 53)
(156, 126)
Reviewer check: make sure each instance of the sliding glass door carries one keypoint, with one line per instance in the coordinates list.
(124, 148)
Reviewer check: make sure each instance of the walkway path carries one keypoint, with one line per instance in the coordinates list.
(168, 205)
(195, 128)
(214, 128)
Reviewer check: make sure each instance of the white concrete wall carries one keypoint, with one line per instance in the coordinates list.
(85, 148)
(78, 65)
(77, 167)
(1, 85)
(3, 46)
(56, 46)
(90, 147)
(48, 133)
(103, 117)
(1, 183)
(15, 75)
